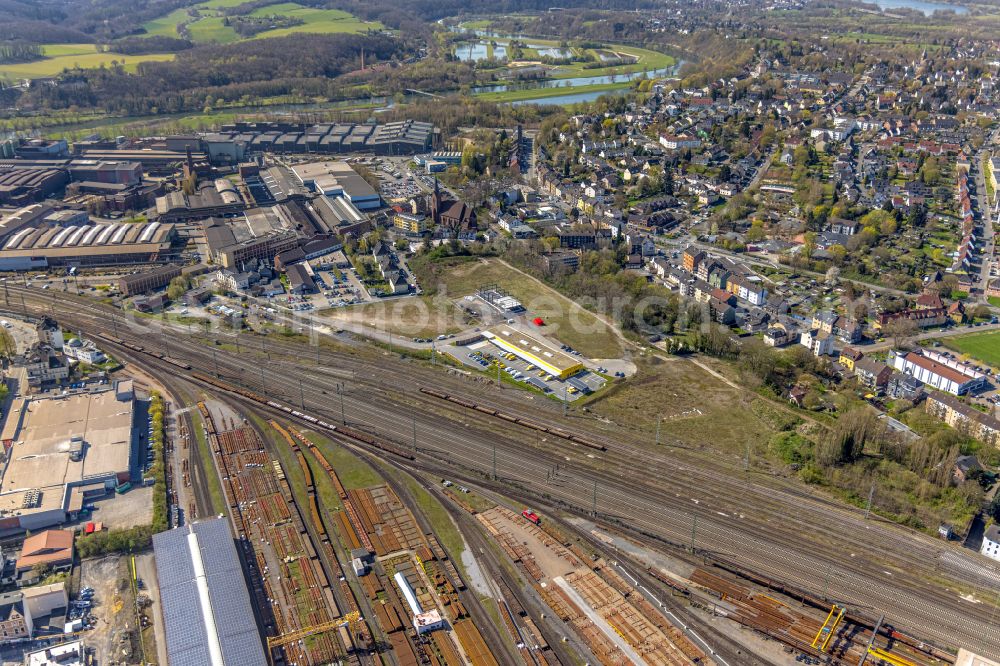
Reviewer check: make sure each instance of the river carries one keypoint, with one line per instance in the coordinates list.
(923, 6)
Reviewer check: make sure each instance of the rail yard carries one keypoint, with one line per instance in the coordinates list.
(742, 528)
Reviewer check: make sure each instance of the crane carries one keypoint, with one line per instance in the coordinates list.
(829, 628)
(299, 634)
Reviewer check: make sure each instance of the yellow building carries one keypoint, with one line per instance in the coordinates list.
(536, 351)
(848, 357)
(411, 224)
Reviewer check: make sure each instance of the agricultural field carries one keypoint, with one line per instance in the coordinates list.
(565, 319)
(326, 21)
(207, 28)
(984, 347)
(209, 25)
(65, 56)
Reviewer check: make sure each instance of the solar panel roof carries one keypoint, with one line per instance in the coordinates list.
(228, 598)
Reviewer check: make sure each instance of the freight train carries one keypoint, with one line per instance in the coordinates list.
(342, 430)
(345, 431)
(572, 437)
(138, 348)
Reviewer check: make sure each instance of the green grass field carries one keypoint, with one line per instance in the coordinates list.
(567, 321)
(697, 409)
(210, 28)
(207, 29)
(326, 21)
(66, 56)
(984, 347)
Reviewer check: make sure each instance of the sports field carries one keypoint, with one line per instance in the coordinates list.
(983, 347)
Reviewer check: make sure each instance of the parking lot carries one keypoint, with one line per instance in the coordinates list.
(339, 288)
(485, 357)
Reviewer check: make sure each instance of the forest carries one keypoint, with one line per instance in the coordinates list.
(205, 76)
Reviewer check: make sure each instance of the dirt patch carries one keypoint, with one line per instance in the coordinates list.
(694, 408)
(113, 638)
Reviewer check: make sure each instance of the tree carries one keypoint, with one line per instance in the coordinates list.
(900, 330)
(809, 244)
(177, 288)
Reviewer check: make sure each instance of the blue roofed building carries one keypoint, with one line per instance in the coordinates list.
(207, 613)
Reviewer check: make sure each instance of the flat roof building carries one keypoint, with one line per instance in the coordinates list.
(59, 451)
(207, 614)
(535, 350)
(336, 178)
(64, 654)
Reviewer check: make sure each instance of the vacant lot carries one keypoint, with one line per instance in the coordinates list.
(983, 347)
(697, 409)
(67, 56)
(417, 316)
(565, 320)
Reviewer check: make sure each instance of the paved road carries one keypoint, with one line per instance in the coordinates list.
(931, 335)
(985, 212)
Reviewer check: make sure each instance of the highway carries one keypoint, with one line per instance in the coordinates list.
(673, 496)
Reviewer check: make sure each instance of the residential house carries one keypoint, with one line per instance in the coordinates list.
(692, 258)
(964, 418)
(15, 622)
(779, 336)
(555, 261)
(922, 318)
(872, 374)
(991, 542)
(905, 387)
(44, 366)
(848, 357)
(956, 312)
(749, 288)
(964, 468)
(837, 225)
(397, 282)
(51, 550)
(818, 342)
(679, 142)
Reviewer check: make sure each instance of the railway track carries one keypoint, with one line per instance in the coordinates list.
(774, 531)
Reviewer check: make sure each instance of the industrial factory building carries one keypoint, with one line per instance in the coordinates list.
(26, 181)
(258, 235)
(42, 244)
(217, 198)
(207, 614)
(61, 451)
(237, 141)
(423, 621)
(334, 179)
